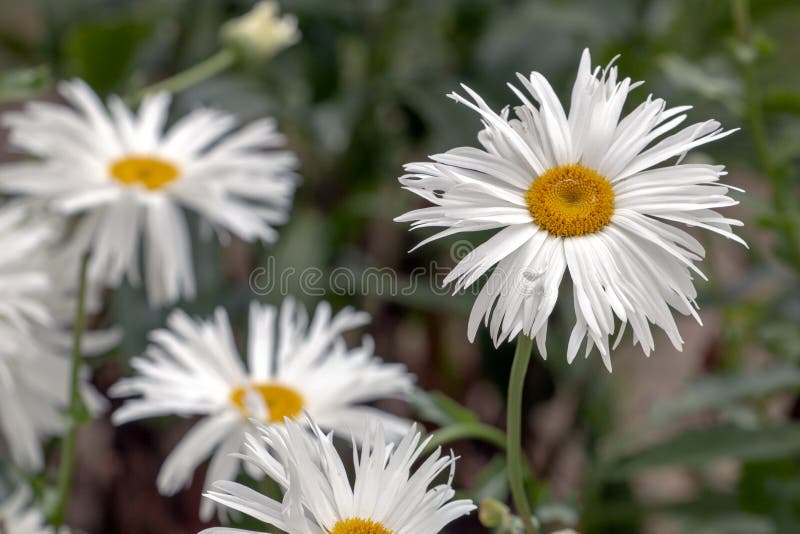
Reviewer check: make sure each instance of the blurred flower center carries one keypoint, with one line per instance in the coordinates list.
(150, 172)
(281, 401)
(359, 526)
(571, 200)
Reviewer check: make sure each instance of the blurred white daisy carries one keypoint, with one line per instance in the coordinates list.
(35, 347)
(194, 368)
(18, 516)
(25, 286)
(34, 389)
(577, 193)
(39, 269)
(128, 176)
(385, 497)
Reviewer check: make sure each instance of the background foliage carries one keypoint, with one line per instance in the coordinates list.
(704, 441)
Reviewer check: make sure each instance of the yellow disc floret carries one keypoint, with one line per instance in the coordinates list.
(357, 525)
(571, 200)
(282, 401)
(149, 172)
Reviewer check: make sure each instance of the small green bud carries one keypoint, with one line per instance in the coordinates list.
(493, 513)
(261, 33)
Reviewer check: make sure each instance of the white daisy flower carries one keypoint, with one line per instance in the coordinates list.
(128, 176)
(582, 193)
(385, 496)
(17, 516)
(39, 269)
(34, 349)
(35, 389)
(194, 368)
(25, 286)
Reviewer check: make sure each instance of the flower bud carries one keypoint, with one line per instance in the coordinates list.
(262, 32)
(493, 513)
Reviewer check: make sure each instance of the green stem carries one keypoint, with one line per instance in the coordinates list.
(516, 471)
(77, 410)
(459, 431)
(220, 61)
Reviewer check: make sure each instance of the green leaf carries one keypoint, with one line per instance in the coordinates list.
(697, 447)
(703, 505)
(560, 513)
(102, 53)
(782, 337)
(771, 488)
(611, 507)
(304, 246)
(731, 523)
(699, 78)
(720, 391)
(492, 482)
(20, 84)
(438, 408)
(782, 101)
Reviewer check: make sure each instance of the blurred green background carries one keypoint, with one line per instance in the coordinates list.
(704, 441)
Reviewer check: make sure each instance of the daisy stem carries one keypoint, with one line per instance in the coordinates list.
(213, 65)
(77, 410)
(516, 472)
(459, 431)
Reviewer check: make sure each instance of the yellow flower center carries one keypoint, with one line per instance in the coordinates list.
(147, 171)
(571, 200)
(282, 401)
(357, 525)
